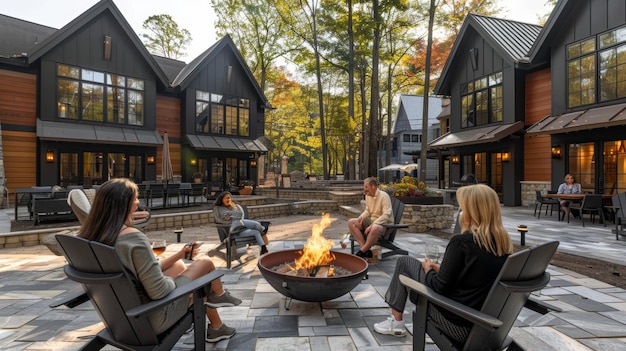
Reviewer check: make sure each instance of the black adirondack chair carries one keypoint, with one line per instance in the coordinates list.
(111, 289)
(522, 273)
(227, 250)
(389, 235)
(619, 202)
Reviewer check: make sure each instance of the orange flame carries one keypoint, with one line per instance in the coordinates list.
(316, 251)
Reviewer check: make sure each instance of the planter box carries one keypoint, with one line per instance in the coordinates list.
(421, 200)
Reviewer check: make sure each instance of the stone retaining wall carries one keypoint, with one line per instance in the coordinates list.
(529, 194)
(171, 221)
(422, 218)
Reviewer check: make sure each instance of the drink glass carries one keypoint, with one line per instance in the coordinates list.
(432, 252)
(158, 247)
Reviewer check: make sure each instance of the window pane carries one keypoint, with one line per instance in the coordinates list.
(114, 79)
(202, 117)
(93, 76)
(573, 50)
(117, 165)
(68, 71)
(415, 138)
(136, 84)
(203, 95)
(116, 98)
(495, 79)
(496, 104)
(606, 39)
(406, 138)
(216, 98)
(68, 168)
(588, 46)
(482, 108)
(467, 111)
(67, 99)
(217, 118)
(135, 108)
(92, 102)
(244, 122)
(231, 120)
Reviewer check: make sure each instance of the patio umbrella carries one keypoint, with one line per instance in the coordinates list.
(167, 174)
(392, 167)
(409, 168)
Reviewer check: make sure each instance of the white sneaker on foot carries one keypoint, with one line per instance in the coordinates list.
(391, 327)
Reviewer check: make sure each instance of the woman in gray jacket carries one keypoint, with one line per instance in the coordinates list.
(226, 211)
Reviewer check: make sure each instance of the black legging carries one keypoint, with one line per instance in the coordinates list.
(397, 295)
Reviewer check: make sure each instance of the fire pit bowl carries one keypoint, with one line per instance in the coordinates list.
(312, 289)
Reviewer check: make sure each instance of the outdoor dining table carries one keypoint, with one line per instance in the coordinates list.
(573, 197)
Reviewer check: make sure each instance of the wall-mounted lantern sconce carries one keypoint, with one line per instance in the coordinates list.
(253, 163)
(193, 162)
(50, 156)
(455, 159)
(107, 47)
(506, 156)
(150, 159)
(474, 58)
(556, 151)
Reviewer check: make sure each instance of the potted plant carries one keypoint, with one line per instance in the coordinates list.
(246, 187)
(410, 191)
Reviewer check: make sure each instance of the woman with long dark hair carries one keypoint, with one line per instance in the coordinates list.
(226, 211)
(110, 222)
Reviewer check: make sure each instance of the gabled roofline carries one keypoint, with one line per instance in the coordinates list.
(558, 15)
(79, 22)
(187, 74)
(471, 21)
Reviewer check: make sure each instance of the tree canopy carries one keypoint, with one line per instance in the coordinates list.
(165, 38)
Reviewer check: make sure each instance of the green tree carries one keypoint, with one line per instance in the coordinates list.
(257, 30)
(165, 38)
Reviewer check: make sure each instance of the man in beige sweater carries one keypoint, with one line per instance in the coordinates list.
(369, 225)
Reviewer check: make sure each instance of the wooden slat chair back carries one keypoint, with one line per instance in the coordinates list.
(388, 236)
(232, 242)
(113, 293)
(523, 272)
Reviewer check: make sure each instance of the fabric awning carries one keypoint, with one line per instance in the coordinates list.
(93, 133)
(599, 117)
(477, 135)
(209, 142)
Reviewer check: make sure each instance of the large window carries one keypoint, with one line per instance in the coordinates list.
(596, 68)
(481, 101)
(581, 73)
(97, 96)
(582, 165)
(219, 114)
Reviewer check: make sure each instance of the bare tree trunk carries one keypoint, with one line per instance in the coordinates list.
(374, 99)
(351, 172)
(389, 102)
(424, 148)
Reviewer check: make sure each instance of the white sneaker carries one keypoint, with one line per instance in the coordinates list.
(391, 327)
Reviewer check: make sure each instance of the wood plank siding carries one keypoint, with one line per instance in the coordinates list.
(537, 158)
(168, 120)
(18, 109)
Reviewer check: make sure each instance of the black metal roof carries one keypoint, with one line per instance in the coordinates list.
(512, 40)
(18, 36)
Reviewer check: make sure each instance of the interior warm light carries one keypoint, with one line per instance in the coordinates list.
(253, 163)
(150, 159)
(455, 159)
(193, 161)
